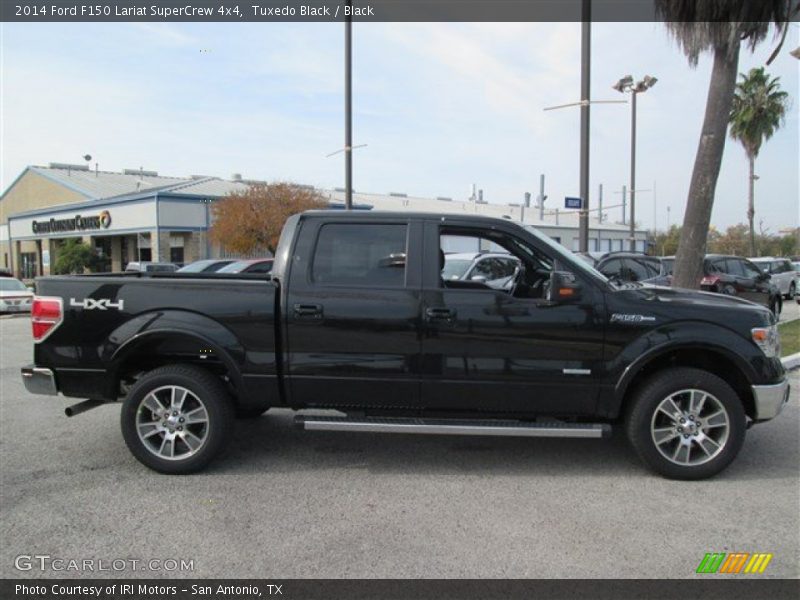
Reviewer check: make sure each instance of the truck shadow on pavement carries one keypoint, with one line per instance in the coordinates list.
(272, 443)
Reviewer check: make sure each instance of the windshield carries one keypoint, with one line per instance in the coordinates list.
(234, 267)
(12, 285)
(562, 252)
(454, 268)
(196, 267)
(668, 263)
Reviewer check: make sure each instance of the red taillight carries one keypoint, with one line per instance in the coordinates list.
(46, 314)
(709, 280)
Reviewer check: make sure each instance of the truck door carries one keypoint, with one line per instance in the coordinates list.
(493, 350)
(352, 313)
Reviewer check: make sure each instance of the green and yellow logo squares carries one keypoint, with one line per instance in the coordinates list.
(735, 562)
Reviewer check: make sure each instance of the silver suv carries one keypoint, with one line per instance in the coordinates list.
(782, 274)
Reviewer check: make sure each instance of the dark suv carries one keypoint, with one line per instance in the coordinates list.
(632, 266)
(737, 276)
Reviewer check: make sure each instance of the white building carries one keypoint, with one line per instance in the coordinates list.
(141, 215)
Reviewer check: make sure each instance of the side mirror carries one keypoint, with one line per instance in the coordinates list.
(563, 287)
(478, 279)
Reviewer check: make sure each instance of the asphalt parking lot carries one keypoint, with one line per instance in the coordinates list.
(286, 503)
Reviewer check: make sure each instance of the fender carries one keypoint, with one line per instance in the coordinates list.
(129, 336)
(689, 335)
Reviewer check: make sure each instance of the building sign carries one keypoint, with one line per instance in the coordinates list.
(76, 223)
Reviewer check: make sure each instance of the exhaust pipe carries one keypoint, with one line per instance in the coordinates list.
(81, 407)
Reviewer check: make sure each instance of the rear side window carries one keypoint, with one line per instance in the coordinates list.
(362, 255)
(749, 269)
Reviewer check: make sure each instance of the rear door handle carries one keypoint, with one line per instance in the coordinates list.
(308, 311)
(440, 314)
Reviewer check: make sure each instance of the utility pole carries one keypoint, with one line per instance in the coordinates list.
(599, 216)
(633, 171)
(348, 109)
(586, 41)
(600, 203)
(541, 197)
(624, 204)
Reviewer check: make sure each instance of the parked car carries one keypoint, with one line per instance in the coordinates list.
(782, 273)
(5, 272)
(796, 267)
(494, 269)
(356, 317)
(15, 296)
(737, 276)
(633, 266)
(210, 265)
(252, 265)
(151, 267)
(590, 258)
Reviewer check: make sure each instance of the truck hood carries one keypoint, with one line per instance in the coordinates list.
(704, 301)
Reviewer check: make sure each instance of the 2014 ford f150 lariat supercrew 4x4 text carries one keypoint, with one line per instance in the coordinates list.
(356, 317)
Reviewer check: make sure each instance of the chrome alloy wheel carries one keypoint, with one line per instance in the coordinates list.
(690, 427)
(172, 422)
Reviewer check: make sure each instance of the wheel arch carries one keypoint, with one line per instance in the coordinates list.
(196, 340)
(714, 359)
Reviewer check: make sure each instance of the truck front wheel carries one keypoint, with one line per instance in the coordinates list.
(686, 423)
(177, 418)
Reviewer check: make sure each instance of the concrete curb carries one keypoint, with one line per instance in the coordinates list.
(791, 362)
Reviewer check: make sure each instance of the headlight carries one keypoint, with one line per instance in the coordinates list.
(768, 339)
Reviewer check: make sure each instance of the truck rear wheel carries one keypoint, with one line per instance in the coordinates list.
(177, 418)
(686, 423)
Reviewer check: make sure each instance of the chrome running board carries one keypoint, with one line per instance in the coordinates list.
(487, 427)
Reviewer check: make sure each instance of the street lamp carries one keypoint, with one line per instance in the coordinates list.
(627, 85)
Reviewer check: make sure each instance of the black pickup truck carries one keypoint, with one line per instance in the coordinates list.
(356, 317)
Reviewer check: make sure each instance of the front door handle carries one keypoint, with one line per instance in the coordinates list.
(308, 311)
(440, 314)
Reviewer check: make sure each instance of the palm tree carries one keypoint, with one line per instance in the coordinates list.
(758, 110)
(718, 27)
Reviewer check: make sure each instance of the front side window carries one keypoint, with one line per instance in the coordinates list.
(612, 268)
(361, 255)
(499, 273)
(750, 270)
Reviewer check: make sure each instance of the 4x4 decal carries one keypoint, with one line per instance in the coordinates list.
(92, 304)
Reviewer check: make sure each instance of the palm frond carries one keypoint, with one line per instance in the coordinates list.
(709, 25)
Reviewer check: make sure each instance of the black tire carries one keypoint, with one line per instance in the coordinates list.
(644, 405)
(249, 412)
(205, 390)
(728, 290)
(792, 291)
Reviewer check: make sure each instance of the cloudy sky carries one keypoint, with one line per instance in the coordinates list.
(440, 105)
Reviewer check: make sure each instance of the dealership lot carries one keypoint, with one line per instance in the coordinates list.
(287, 503)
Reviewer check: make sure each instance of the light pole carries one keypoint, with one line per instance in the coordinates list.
(586, 61)
(348, 109)
(627, 85)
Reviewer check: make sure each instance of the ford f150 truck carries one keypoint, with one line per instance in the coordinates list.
(356, 317)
